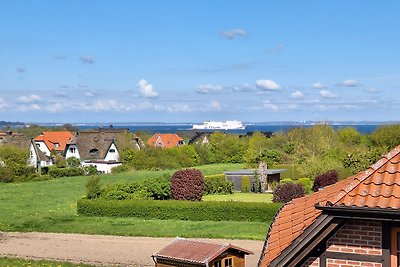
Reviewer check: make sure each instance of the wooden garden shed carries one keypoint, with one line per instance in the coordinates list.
(185, 253)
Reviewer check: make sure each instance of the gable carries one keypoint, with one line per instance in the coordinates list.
(377, 189)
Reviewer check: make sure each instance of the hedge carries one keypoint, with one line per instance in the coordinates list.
(179, 210)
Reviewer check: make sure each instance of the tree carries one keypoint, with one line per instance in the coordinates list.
(255, 149)
(387, 136)
(187, 184)
(284, 193)
(325, 179)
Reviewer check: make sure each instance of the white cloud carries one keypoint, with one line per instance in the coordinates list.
(55, 107)
(3, 104)
(215, 106)
(268, 105)
(232, 34)
(90, 93)
(60, 94)
(29, 107)
(87, 59)
(146, 89)
(28, 99)
(372, 91)
(318, 86)
(268, 85)
(297, 95)
(209, 88)
(242, 88)
(327, 94)
(348, 83)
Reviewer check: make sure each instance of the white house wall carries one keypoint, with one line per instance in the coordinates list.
(32, 156)
(102, 167)
(70, 154)
(112, 156)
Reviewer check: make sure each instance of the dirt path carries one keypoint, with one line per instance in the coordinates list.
(99, 250)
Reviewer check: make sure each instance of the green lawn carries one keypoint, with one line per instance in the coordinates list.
(11, 262)
(241, 197)
(50, 206)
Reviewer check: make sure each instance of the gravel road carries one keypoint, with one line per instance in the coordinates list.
(98, 249)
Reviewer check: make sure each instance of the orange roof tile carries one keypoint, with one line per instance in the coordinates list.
(195, 251)
(164, 140)
(52, 138)
(376, 187)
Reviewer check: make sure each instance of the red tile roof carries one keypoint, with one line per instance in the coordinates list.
(165, 140)
(376, 187)
(51, 138)
(184, 250)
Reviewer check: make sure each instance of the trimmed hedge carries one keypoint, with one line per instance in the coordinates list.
(65, 172)
(179, 210)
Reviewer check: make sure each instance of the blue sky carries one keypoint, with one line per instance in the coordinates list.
(189, 61)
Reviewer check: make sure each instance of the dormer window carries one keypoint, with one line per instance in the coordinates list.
(93, 151)
(56, 145)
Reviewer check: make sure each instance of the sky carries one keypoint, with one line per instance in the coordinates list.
(70, 61)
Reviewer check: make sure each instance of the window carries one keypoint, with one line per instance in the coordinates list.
(395, 247)
(56, 145)
(228, 262)
(111, 150)
(72, 149)
(217, 264)
(93, 151)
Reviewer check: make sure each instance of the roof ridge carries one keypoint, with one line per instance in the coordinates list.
(363, 175)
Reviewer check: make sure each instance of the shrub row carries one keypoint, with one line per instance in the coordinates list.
(179, 210)
(65, 172)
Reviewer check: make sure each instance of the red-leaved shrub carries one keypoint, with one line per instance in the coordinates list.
(288, 191)
(187, 184)
(325, 179)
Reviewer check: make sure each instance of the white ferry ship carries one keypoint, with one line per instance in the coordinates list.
(217, 125)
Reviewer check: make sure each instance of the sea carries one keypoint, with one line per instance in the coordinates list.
(363, 128)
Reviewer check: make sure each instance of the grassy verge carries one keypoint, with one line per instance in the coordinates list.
(240, 197)
(13, 262)
(50, 206)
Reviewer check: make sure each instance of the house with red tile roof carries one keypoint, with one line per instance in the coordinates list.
(184, 252)
(165, 140)
(355, 222)
(53, 141)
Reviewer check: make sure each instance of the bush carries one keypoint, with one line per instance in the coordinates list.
(217, 184)
(245, 184)
(307, 183)
(287, 192)
(325, 179)
(73, 162)
(179, 210)
(187, 184)
(93, 187)
(286, 180)
(158, 189)
(65, 172)
(120, 169)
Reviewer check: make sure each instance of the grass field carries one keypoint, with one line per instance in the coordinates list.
(50, 206)
(11, 262)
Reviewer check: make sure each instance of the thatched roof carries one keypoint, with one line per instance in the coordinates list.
(93, 145)
(15, 139)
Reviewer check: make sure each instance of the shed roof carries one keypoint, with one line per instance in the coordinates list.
(197, 252)
(378, 187)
